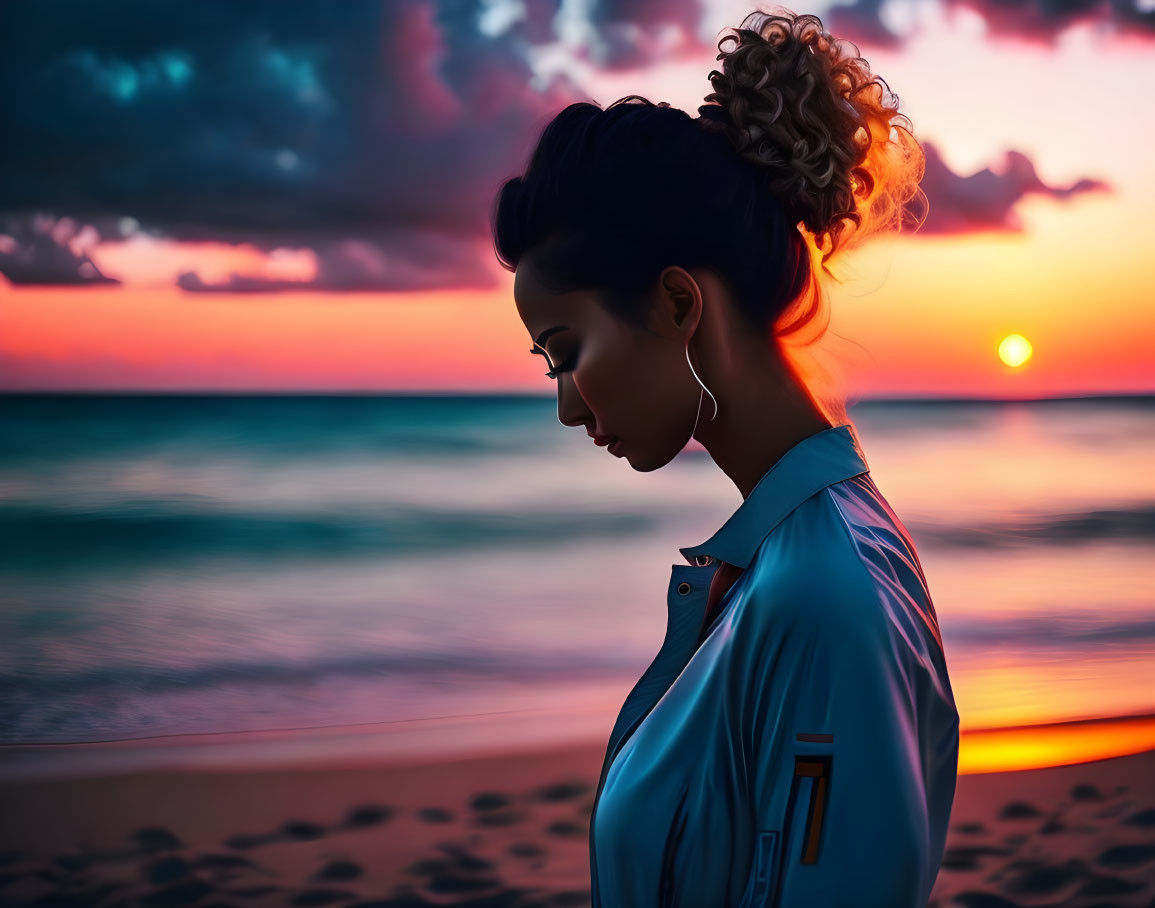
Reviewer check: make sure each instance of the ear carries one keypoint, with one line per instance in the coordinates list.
(679, 302)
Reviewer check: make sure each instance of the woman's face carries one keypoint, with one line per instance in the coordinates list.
(618, 381)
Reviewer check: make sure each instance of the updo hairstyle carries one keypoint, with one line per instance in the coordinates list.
(798, 154)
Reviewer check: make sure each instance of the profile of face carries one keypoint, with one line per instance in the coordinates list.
(629, 388)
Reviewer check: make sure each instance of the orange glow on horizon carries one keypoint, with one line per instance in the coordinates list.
(1056, 744)
(897, 339)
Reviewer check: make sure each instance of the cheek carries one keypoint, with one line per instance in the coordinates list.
(602, 376)
(620, 375)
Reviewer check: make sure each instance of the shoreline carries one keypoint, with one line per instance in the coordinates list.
(411, 742)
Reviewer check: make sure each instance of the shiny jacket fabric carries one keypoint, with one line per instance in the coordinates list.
(805, 754)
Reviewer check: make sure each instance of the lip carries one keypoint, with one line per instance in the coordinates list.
(602, 440)
(615, 447)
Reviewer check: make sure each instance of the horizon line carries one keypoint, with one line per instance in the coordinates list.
(458, 394)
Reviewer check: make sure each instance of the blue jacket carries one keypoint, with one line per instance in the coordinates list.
(805, 754)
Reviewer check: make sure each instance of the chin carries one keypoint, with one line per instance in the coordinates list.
(648, 461)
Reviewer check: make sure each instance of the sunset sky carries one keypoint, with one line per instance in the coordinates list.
(218, 199)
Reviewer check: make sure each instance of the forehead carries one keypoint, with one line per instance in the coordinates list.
(526, 289)
(537, 302)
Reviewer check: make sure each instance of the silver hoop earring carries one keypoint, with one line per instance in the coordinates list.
(704, 389)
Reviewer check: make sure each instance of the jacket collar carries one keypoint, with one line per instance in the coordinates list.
(817, 461)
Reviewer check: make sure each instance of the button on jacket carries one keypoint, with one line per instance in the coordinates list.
(804, 752)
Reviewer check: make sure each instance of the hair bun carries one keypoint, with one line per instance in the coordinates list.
(805, 106)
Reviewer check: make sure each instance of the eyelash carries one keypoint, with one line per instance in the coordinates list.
(564, 367)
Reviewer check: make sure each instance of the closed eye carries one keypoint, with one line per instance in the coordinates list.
(555, 371)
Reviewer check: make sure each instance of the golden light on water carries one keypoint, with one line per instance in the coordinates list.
(1053, 744)
(1014, 350)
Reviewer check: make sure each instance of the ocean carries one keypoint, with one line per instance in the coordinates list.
(185, 564)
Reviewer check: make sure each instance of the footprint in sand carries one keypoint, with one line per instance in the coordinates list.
(1019, 810)
(489, 800)
(494, 809)
(968, 858)
(1086, 793)
(463, 859)
(339, 871)
(243, 842)
(1144, 819)
(302, 831)
(168, 870)
(562, 791)
(227, 866)
(1123, 856)
(1109, 885)
(566, 829)
(458, 873)
(369, 815)
(1046, 879)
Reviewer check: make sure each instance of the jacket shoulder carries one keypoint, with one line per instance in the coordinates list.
(842, 568)
(809, 573)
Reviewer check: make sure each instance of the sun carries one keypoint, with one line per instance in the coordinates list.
(1014, 350)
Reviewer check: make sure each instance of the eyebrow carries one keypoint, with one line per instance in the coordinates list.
(549, 332)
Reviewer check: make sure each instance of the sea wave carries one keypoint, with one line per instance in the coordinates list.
(1120, 524)
(45, 537)
(442, 663)
(1066, 631)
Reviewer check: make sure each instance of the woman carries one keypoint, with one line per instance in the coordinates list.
(795, 740)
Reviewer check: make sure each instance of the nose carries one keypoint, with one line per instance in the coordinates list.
(571, 409)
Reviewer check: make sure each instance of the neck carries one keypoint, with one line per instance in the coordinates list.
(763, 411)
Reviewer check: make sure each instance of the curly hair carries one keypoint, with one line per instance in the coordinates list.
(798, 152)
(803, 105)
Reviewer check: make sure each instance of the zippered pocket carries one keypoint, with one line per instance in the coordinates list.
(763, 883)
(800, 838)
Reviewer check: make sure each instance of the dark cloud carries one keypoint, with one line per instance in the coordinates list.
(862, 24)
(1044, 20)
(374, 133)
(45, 250)
(625, 34)
(1036, 21)
(283, 125)
(985, 200)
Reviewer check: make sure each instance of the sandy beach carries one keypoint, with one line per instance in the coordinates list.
(497, 829)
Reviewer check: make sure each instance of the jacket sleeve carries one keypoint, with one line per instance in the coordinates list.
(836, 777)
